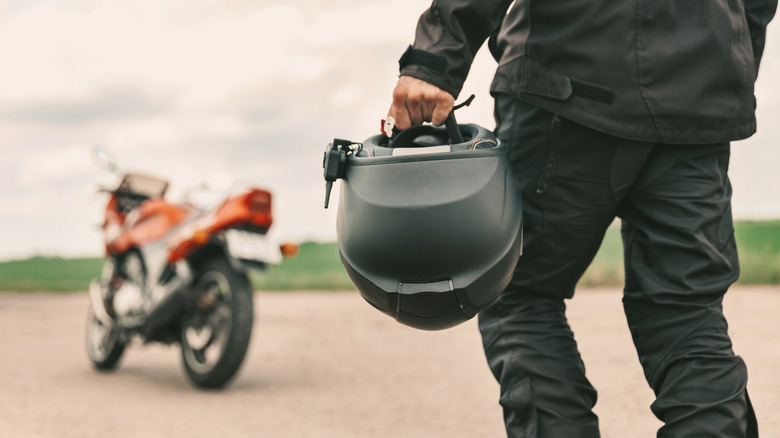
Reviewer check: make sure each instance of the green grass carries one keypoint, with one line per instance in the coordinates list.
(758, 244)
(49, 273)
(318, 266)
(759, 252)
(607, 266)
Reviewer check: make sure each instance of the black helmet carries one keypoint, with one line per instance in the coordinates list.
(429, 229)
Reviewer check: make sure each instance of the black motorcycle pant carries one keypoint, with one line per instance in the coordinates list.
(680, 258)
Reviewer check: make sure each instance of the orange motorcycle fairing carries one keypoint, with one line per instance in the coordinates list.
(250, 211)
(150, 222)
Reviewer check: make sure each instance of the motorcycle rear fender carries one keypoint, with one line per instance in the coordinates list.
(218, 247)
(250, 211)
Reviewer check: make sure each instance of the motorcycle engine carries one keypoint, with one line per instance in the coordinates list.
(129, 301)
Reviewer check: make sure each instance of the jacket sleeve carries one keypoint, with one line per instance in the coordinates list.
(448, 36)
(758, 14)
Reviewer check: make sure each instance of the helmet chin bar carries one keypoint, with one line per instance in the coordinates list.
(415, 309)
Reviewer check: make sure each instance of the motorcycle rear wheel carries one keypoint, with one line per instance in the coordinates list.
(215, 337)
(104, 344)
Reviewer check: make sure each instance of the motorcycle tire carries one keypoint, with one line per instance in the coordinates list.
(104, 344)
(215, 336)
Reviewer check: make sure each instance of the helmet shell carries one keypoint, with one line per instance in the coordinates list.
(430, 235)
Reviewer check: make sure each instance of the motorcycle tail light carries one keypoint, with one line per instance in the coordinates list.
(260, 202)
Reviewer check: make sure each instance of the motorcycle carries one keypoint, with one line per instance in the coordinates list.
(176, 273)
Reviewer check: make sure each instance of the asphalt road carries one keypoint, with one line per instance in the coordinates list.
(326, 364)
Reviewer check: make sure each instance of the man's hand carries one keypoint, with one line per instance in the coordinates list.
(416, 101)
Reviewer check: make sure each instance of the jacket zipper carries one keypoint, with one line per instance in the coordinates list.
(549, 156)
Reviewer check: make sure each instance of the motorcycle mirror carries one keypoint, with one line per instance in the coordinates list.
(104, 158)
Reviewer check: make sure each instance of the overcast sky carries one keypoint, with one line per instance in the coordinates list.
(182, 88)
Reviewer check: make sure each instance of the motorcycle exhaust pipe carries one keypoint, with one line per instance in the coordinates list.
(170, 307)
(98, 306)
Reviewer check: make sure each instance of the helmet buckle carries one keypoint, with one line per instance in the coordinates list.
(335, 162)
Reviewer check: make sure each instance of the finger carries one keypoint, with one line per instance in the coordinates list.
(399, 111)
(428, 107)
(414, 106)
(444, 104)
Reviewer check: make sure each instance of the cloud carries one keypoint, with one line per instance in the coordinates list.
(182, 87)
(116, 104)
(55, 166)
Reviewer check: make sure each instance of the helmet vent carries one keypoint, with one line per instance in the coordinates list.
(416, 288)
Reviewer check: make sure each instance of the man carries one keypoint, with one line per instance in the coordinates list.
(609, 109)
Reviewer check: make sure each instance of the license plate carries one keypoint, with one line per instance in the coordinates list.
(252, 246)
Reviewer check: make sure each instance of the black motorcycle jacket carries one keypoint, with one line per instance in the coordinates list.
(667, 71)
